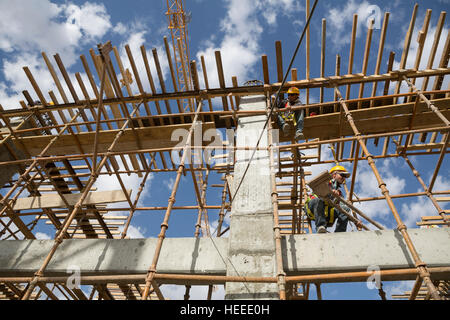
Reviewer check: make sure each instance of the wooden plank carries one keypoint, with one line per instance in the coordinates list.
(422, 146)
(55, 201)
(406, 45)
(265, 67)
(108, 87)
(426, 218)
(221, 77)
(322, 57)
(372, 126)
(89, 217)
(279, 57)
(352, 51)
(431, 223)
(443, 199)
(431, 56)
(150, 137)
(366, 59)
(161, 80)
(380, 52)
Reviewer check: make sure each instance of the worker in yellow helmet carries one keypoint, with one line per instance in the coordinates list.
(325, 214)
(295, 116)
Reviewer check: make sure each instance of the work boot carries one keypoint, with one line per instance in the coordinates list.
(299, 135)
(287, 129)
(321, 229)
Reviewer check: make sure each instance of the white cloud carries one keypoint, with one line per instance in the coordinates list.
(135, 232)
(397, 288)
(340, 20)
(366, 185)
(169, 183)
(240, 45)
(120, 28)
(412, 53)
(42, 236)
(39, 25)
(90, 19)
(110, 182)
(423, 206)
(30, 27)
(138, 33)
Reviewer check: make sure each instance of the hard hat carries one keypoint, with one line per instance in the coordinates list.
(293, 90)
(342, 171)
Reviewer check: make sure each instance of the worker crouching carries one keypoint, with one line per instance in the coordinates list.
(289, 119)
(323, 213)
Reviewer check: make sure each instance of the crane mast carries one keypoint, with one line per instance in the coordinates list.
(177, 24)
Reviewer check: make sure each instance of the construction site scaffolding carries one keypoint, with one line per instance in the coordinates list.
(60, 159)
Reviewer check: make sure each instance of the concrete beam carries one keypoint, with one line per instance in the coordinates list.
(114, 256)
(303, 254)
(54, 200)
(149, 137)
(355, 251)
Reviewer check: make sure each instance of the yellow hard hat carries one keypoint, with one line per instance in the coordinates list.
(293, 90)
(342, 171)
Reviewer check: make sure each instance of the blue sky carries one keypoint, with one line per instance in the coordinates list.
(243, 30)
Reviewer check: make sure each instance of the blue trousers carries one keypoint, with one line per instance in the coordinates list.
(317, 207)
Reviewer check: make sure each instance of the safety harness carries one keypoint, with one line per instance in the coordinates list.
(289, 116)
(329, 210)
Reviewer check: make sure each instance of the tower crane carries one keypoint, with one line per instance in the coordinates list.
(177, 24)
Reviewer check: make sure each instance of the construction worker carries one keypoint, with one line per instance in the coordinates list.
(323, 213)
(288, 118)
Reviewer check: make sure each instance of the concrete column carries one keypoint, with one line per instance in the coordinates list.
(251, 250)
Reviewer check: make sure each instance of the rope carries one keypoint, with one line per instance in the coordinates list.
(265, 125)
(272, 105)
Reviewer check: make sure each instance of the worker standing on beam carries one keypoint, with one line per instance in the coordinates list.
(289, 119)
(323, 213)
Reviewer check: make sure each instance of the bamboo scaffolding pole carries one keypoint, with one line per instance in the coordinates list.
(427, 192)
(380, 52)
(406, 46)
(433, 108)
(133, 207)
(352, 51)
(68, 220)
(281, 275)
(255, 90)
(354, 276)
(366, 58)
(281, 147)
(222, 208)
(420, 265)
(430, 105)
(164, 226)
(4, 200)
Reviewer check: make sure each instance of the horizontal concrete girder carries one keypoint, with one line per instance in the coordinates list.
(149, 137)
(302, 254)
(114, 256)
(356, 251)
(55, 201)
